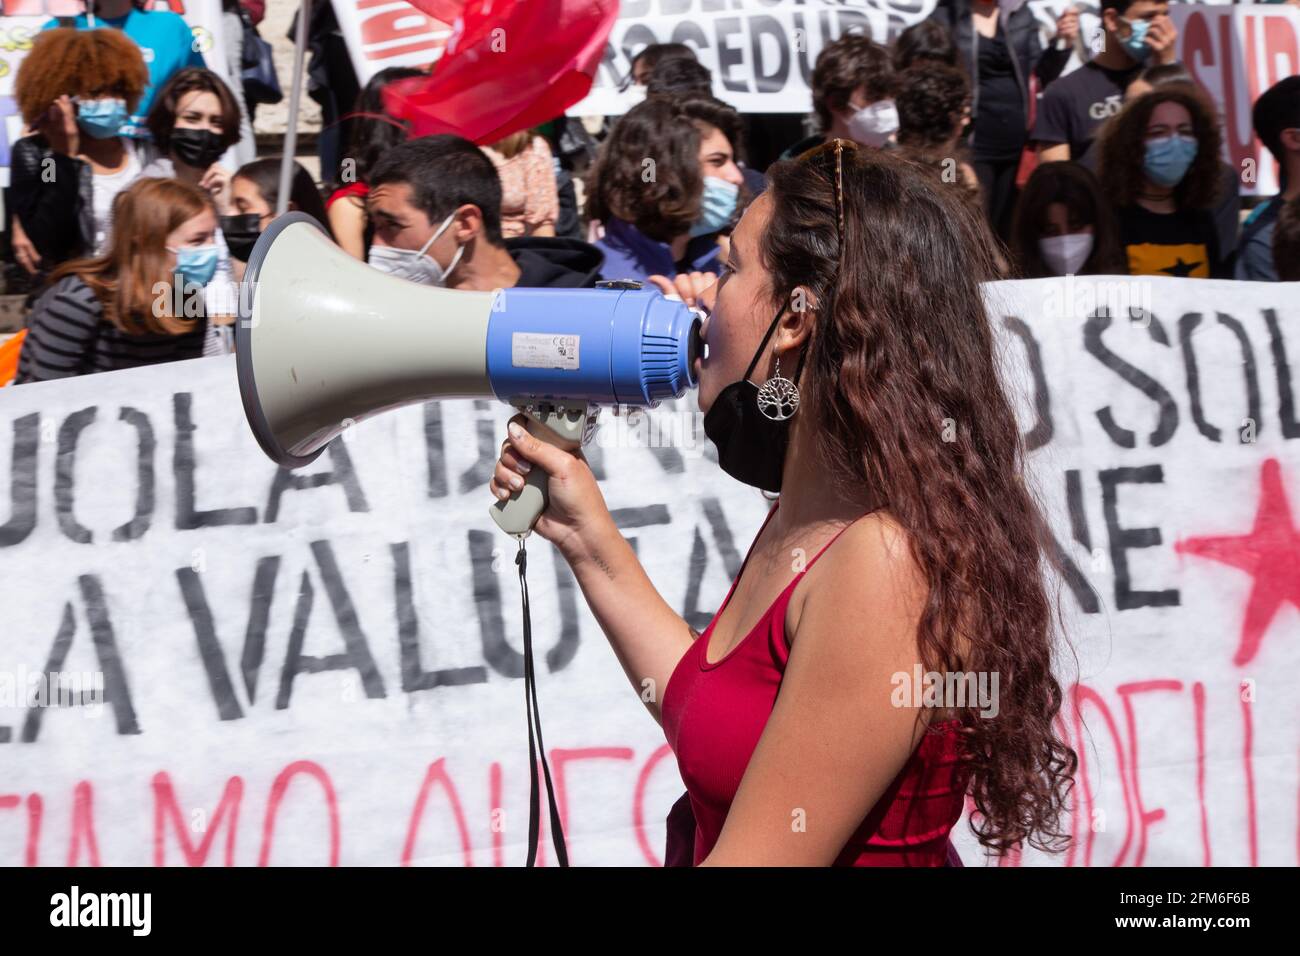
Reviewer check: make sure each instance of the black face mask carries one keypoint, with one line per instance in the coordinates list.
(240, 233)
(199, 148)
(751, 446)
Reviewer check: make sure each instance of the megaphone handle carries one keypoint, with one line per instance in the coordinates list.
(517, 514)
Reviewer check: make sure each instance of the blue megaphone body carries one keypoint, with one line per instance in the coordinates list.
(324, 341)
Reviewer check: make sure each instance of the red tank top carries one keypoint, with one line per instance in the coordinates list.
(714, 713)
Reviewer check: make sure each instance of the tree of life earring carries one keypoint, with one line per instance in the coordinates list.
(778, 398)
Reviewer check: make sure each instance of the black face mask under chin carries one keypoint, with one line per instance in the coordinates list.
(751, 446)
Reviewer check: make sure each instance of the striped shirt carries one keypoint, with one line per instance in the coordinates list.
(67, 335)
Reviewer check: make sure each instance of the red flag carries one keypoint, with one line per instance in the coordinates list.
(509, 65)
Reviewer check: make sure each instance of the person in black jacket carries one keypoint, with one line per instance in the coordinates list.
(435, 205)
(75, 90)
(1001, 51)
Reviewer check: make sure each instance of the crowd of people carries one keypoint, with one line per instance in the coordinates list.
(123, 182)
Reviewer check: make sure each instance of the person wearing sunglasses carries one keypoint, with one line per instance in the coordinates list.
(848, 365)
(75, 90)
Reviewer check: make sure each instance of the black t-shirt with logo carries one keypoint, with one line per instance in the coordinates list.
(1078, 103)
(1183, 243)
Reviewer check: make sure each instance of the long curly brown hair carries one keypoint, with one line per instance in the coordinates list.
(905, 391)
(86, 63)
(1122, 144)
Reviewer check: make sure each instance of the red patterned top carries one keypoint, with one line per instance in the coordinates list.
(714, 713)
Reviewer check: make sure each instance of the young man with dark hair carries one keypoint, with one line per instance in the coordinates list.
(435, 204)
(853, 94)
(1135, 33)
(1277, 124)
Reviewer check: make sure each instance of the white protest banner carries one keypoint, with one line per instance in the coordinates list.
(320, 666)
(762, 52)
(384, 33)
(207, 660)
(1237, 53)
(23, 19)
(1166, 446)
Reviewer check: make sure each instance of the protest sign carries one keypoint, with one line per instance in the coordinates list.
(208, 660)
(384, 33)
(1236, 53)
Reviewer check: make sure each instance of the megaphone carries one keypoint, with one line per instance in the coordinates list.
(324, 342)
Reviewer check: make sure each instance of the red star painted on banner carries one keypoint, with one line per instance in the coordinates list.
(1270, 554)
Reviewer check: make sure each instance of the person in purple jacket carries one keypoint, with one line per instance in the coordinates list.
(666, 188)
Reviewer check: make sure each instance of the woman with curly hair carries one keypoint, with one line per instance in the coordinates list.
(1159, 164)
(933, 111)
(76, 89)
(904, 515)
(664, 186)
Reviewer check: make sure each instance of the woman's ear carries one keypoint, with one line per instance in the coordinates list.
(802, 300)
(797, 324)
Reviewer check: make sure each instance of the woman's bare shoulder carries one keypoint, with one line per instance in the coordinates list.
(868, 569)
(875, 542)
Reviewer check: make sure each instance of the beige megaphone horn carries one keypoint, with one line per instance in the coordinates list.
(324, 341)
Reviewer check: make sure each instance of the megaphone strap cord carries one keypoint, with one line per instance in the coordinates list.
(535, 717)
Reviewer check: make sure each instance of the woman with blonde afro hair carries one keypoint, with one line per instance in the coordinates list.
(75, 90)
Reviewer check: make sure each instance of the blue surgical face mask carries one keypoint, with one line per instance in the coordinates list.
(1135, 44)
(1168, 158)
(716, 205)
(197, 264)
(102, 119)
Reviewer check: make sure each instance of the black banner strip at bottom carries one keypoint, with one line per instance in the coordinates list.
(207, 906)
